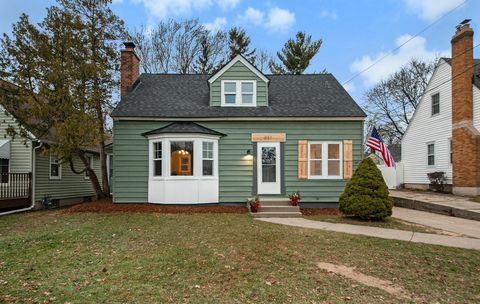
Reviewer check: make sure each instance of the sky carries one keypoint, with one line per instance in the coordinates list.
(354, 33)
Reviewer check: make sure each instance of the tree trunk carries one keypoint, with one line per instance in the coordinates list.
(92, 176)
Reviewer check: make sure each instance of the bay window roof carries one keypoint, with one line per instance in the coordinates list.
(184, 127)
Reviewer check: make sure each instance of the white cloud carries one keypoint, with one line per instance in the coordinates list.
(217, 24)
(430, 10)
(328, 14)
(416, 48)
(228, 4)
(279, 19)
(252, 15)
(161, 9)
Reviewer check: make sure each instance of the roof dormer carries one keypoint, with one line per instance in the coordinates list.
(239, 84)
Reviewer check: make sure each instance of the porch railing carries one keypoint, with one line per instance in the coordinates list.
(15, 185)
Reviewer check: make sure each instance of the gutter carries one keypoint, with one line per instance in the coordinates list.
(33, 185)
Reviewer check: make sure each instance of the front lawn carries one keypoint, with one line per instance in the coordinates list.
(56, 257)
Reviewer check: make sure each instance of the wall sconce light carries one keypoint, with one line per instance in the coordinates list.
(249, 152)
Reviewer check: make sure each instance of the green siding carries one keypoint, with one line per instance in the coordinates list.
(71, 185)
(20, 148)
(238, 71)
(235, 170)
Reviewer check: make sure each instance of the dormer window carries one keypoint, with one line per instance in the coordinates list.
(239, 93)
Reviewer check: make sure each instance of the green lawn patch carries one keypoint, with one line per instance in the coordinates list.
(54, 257)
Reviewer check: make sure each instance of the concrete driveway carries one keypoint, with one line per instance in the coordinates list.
(457, 225)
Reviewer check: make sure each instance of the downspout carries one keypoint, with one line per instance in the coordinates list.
(33, 185)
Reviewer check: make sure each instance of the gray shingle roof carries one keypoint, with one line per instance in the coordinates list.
(476, 73)
(187, 96)
(183, 127)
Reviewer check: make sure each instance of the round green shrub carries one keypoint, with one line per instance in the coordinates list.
(366, 194)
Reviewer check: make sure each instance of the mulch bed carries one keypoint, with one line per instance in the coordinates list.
(106, 206)
(321, 211)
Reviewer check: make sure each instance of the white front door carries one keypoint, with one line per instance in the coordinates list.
(268, 168)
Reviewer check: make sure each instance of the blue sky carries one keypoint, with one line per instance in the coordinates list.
(354, 33)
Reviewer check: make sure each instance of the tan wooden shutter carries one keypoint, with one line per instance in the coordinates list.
(302, 159)
(347, 159)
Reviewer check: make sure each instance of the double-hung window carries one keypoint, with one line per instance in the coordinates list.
(55, 167)
(4, 169)
(431, 154)
(207, 161)
(324, 160)
(238, 93)
(157, 158)
(435, 103)
(90, 165)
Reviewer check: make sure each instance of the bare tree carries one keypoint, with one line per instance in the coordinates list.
(392, 102)
(262, 61)
(213, 52)
(180, 47)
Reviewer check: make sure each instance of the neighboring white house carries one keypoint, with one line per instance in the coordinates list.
(427, 142)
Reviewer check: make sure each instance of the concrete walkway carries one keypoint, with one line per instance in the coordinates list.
(446, 204)
(444, 222)
(392, 234)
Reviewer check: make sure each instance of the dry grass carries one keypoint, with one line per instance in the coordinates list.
(53, 257)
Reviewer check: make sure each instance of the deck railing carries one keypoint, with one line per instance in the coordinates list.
(15, 185)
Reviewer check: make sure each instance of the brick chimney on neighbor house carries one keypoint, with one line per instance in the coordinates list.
(465, 137)
(129, 67)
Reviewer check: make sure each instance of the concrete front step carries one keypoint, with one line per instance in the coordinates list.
(288, 208)
(276, 214)
(274, 201)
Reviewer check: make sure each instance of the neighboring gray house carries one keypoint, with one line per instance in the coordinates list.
(28, 174)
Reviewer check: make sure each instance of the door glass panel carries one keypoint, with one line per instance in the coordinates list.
(269, 166)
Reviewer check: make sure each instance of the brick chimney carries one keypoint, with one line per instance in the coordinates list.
(129, 67)
(465, 137)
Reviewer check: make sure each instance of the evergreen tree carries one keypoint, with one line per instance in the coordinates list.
(366, 194)
(65, 72)
(296, 55)
(238, 43)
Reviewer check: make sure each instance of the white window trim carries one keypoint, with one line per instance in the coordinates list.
(197, 140)
(431, 104)
(50, 168)
(85, 176)
(325, 160)
(238, 93)
(434, 157)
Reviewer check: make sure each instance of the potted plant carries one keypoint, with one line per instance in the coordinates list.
(294, 198)
(254, 204)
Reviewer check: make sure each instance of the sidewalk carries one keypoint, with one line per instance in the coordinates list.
(392, 234)
(446, 204)
(444, 222)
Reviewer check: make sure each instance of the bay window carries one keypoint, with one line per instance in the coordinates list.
(325, 160)
(181, 158)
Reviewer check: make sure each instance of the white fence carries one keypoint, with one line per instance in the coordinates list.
(392, 176)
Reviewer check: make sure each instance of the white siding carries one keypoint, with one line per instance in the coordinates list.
(425, 128)
(20, 148)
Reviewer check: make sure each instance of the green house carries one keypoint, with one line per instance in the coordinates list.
(221, 138)
(29, 173)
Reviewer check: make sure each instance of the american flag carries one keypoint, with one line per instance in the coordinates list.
(375, 142)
